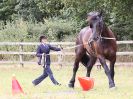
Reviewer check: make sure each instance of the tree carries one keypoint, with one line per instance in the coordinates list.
(28, 10)
(7, 9)
(50, 8)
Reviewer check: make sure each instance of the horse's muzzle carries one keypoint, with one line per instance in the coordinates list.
(96, 38)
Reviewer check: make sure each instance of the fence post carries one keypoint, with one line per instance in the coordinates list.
(21, 55)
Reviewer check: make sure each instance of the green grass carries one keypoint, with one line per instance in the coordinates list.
(46, 90)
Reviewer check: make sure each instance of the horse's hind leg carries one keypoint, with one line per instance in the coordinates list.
(75, 68)
(107, 71)
(90, 64)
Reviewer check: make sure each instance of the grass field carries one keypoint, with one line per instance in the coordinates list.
(46, 90)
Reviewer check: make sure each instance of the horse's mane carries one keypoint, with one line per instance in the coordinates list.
(107, 32)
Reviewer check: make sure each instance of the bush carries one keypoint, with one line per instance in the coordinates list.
(56, 29)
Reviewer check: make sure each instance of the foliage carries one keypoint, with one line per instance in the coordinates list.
(58, 18)
(7, 9)
(21, 31)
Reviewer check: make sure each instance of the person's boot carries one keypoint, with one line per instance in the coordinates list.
(33, 83)
(58, 84)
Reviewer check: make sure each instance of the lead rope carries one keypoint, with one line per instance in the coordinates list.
(43, 60)
(108, 38)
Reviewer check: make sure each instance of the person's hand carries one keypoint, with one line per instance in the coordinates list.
(39, 63)
(61, 47)
(62, 51)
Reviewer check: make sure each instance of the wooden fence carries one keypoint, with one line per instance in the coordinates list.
(68, 45)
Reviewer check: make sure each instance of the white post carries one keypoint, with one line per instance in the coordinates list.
(21, 55)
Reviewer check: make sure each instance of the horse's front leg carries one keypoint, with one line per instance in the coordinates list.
(107, 71)
(80, 51)
(75, 68)
(112, 62)
(90, 65)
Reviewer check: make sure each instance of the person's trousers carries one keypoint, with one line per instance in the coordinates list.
(46, 72)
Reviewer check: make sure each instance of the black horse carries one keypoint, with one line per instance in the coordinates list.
(97, 42)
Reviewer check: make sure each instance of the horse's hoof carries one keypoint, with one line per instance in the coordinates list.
(112, 85)
(71, 85)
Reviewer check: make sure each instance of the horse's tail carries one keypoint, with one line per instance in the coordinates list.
(85, 59)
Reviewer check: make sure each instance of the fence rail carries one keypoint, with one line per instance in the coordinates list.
(54, 43)
(21, 52)
(55, 53)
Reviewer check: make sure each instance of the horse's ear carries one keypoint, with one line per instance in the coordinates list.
(100, 13)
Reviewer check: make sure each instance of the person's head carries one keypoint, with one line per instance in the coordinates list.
(43, 39)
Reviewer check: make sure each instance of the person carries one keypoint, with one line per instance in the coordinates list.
(44, 50)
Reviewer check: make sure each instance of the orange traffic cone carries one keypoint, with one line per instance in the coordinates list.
(16, 88)
(86, 83)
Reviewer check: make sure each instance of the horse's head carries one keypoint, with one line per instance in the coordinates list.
(96, 24)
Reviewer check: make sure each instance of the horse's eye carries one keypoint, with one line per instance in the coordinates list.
(94, 18)
(91, 26)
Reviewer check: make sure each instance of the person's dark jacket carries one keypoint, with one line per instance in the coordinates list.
(45, 48)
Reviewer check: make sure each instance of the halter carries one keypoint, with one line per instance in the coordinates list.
(100, 37)
(107, 38)
(90, 41)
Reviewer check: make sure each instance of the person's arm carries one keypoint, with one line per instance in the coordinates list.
(38, 52)
(54, 48)
(39, 55)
